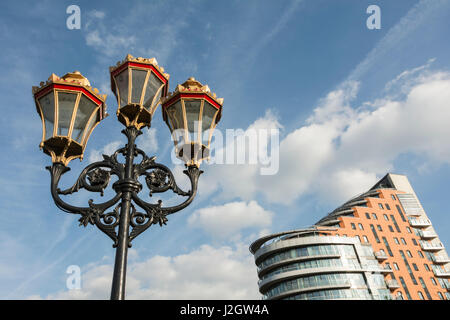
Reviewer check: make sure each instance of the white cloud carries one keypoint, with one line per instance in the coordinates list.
(148, 142)
(228, 219)
(205, 273)
(109, 149)
(342, 149)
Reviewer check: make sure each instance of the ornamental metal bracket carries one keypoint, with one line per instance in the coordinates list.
(96, 177)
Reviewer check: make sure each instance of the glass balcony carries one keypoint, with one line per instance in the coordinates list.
(427, 234)
(381, 255)
(392, 284)
(431, 246)
(420, 223)
(440, 259)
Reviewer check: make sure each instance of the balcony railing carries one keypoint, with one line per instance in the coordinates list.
(427, 234)
(420, 223)
(392, 284)
(440, 259)
(431, 246)
(441, 273)
(381, 255)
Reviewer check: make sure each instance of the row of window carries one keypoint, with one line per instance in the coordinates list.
(320, 263)
(313, 250)
(391, 229)
(336, 279)
(416, 268)
(357, 294)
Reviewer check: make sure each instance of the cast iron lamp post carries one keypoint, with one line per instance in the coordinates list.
(70, 109)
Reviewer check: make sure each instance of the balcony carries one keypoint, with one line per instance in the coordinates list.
(440, 259)
(427, 234)
(420, 223)
(441, 273)
(381, 256)
(431, 246)
(392, 284)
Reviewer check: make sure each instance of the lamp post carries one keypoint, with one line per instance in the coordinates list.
(70, 109)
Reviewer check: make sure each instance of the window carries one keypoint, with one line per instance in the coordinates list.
(386, 243)
(359, 239)
(360, 226)
(393, 197)
(367, 215)
(402, 281)
(420, 295)
(374, 233)
(414, 241)
(396, 240)
(433, 281)
(379, 227)
(391, 229)
(400, 212)
(387, 206)
(374, 216)
(426, 267)
(411, 274)
(353, 226)
(365, 239)
(408, 229)
(415, 267)
(420, 253)
(441, 296)
(403, 241)
(380, 205)
(396, 266)
(409, 253)
(425, 288)
(395, 223)
(385, 217)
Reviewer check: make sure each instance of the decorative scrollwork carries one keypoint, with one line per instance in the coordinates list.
(139, 222)
(107, 222)
(96, 177)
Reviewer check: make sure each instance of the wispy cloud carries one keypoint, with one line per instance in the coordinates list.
(416, 17)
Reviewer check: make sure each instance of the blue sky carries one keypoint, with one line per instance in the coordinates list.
(351, 105)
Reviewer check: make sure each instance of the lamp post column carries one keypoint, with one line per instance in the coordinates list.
(127, 185)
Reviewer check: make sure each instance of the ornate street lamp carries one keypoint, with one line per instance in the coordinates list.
(70, 109)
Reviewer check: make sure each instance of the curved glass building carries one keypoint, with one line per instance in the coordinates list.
(378, 245)
(309, 264)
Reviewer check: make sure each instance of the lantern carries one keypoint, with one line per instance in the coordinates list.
(138, 85)
(70, 109)
(191, 113)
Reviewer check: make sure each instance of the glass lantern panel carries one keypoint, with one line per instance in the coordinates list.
(85, 109)
(92, 122)
(47, 104)
(176, 119)
(137, 85)
(209, 111)
(153, 85)
(66, 104)
(122, 84)
(193, 117)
